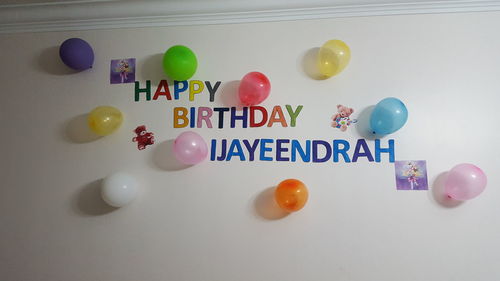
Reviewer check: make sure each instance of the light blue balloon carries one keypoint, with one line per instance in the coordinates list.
(388, 116)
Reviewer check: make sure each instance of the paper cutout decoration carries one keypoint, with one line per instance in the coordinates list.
(122, 71)
(143, 137)
(341, 119)
(411, 175)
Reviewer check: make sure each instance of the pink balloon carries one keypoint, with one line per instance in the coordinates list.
(464, 182)
(254, 88)
(190, 148)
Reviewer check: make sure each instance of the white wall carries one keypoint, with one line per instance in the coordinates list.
(214, 221)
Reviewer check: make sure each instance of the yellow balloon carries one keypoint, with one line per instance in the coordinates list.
(104, 120)
(333, 57)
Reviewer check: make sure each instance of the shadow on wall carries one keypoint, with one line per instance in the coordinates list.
(310, 64)
(76, 130)
(48, 61)
(151, 69)
(266, 207)
(164, 159)
(88, 201)
(363, 125)
(439, 195)
(228, 94)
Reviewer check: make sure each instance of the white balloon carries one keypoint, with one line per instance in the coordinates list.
(119, 189)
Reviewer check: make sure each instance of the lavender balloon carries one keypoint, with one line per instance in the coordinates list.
(190, 148)
(464, 182)
(76, 53)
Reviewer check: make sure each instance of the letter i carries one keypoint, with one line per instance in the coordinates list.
(212, 149)
(192, 119)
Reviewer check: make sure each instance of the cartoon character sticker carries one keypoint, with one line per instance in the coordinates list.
(122, 71)
(411, 175)
(341, 119)
(143, 137)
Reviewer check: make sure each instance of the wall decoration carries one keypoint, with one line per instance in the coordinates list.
(465, 181)
(143, 137)
(190, 148)
(253, 116)
(104, 120)
(77, 54)
(119, 189)
(292, 150)
(191, 88)
(179, 63)
(254, 88)
(333, 57)
(388, 116)
(122, 71)
(411, 175)
(261, 149)
(291, 195)
(341, 119)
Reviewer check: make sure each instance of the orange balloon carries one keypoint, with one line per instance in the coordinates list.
(291, 195)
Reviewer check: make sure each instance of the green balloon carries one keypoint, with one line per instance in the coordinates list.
(179, 63)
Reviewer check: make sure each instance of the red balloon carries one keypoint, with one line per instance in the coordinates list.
(254, 88)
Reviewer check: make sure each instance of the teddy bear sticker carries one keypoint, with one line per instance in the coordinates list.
(143, 137)
(342, 118)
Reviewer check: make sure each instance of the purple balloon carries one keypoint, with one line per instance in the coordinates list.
(464, 182)
(190, 148)
(77, 54)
